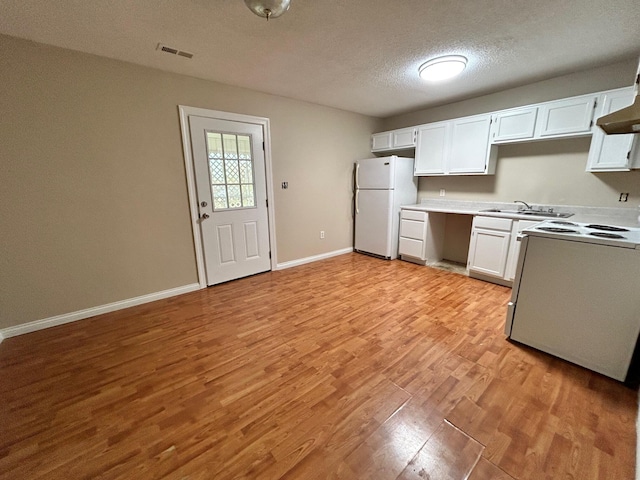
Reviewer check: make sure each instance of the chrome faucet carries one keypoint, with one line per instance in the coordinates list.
(524, 203)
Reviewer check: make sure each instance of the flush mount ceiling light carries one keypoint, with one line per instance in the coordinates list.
(268, 8)
(442, 68)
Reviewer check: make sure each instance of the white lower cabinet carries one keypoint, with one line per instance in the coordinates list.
(488, 251)
(421, 236)
(489, 246)
(494, 248)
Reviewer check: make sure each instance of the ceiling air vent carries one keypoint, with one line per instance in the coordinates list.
(174, 51)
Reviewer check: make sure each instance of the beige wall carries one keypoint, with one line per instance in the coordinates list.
(543, 172)
(93, 203)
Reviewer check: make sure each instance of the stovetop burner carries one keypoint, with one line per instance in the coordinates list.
(557, 230)
(605, 235)
(596, 233)
(607, 228)
(562, 222)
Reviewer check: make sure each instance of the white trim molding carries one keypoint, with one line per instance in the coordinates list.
(93, 311)
(314, 258)
(185, 113)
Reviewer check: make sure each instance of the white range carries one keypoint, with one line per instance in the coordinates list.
(576, 294)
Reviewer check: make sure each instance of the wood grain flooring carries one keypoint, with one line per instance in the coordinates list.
(348, 368)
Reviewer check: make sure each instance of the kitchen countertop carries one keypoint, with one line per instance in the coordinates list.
(625, 217)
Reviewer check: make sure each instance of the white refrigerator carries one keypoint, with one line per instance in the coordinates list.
(382, 185)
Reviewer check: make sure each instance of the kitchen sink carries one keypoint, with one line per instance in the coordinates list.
(530, 213)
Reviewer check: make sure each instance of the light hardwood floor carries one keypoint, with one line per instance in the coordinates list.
(352, 368)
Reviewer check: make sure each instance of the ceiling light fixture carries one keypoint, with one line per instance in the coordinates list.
(268, 8)
(442, 68)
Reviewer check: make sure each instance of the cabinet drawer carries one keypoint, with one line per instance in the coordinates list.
(493, 223)
(410, 247)
(414, 215)
(412, 229)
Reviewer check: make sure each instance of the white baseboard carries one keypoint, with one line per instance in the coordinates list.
(93, 311)
(131, 302)
(314, 258)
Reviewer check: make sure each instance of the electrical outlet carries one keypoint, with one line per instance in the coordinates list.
(442, 192)
(285, 185)
(321, 234)
(623, 197)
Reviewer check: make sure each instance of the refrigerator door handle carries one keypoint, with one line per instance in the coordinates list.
(357, 195)
(357, 176)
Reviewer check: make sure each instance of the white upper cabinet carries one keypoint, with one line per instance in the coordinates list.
(467, 145)
(432, 148)
(516, 124)
(569, 117)
(381, 141)
(401, 139)
(611, 153)
(470, 145)
(455, 147)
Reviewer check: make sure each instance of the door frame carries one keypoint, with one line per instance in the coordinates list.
(185, 112)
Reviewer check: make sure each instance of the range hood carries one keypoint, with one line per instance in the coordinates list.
(625, 120)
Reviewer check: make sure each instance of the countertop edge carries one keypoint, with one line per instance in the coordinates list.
(626, 218)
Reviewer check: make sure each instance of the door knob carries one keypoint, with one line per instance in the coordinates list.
(204, 216)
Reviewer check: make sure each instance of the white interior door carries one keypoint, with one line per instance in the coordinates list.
(230, 179)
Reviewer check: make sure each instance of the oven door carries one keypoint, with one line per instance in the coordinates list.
(511, 306)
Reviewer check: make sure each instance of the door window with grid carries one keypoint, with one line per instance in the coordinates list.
(230, 170)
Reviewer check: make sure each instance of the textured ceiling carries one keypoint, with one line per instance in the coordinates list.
(356, 55)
